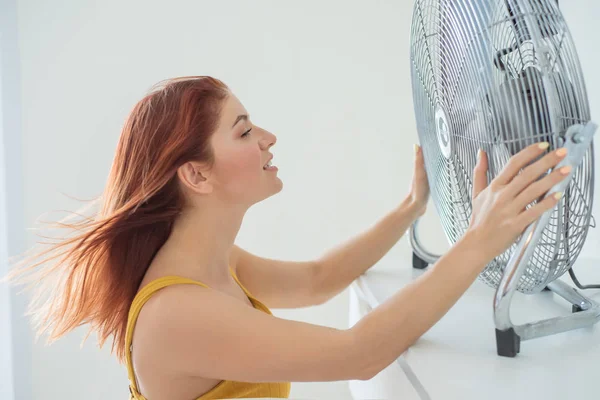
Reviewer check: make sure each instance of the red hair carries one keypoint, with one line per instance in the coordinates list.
(98, 271)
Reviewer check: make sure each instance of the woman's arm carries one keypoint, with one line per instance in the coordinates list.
(229, 340)
(296, 284)
(341, 266)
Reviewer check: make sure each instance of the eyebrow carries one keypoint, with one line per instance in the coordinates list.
(240, 118)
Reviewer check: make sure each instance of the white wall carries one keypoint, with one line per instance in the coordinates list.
(330, 78)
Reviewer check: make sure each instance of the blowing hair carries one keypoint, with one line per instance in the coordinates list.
(93, 276)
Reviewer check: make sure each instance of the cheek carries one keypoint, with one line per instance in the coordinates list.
(240, 164)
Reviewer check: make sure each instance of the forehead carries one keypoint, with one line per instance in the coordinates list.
(231, 110)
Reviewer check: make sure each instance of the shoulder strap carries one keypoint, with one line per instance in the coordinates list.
(240, 284)
(257, 303)
(136, 306)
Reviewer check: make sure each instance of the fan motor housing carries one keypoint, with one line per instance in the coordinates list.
(444, 135)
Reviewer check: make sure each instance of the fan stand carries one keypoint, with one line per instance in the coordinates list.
(585, 311)
(508, 341)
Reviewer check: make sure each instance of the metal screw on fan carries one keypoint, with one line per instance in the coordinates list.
(501, 75)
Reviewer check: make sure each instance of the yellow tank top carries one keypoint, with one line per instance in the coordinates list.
(224, 389)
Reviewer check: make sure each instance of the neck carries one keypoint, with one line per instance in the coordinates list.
(202, 240)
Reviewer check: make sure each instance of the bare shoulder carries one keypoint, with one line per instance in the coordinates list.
(171, 304)
(174, 302)
(166, 319)
(159, 349)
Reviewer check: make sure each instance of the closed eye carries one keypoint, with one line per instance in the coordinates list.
(246, 133)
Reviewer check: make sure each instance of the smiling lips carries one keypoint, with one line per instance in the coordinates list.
(270, 167)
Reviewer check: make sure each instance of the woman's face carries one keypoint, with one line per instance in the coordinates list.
(241, 172)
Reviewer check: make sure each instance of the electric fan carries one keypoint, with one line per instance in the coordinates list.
(500, 75)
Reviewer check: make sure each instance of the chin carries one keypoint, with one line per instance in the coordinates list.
(279, 185)
(278, 188)
(275, 188)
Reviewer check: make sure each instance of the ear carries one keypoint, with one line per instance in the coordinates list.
(194, 176)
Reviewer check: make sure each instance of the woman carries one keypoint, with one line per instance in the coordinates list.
(157, 270)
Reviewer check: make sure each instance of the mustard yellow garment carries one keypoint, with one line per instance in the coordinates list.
(224, 389)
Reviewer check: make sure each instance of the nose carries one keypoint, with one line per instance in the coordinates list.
(267, 140)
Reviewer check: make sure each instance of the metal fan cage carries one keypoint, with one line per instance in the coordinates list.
(484, 77)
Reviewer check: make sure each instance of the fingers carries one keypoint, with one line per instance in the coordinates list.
(541, 187)
(535, 212)
(534, 171)
(419, 164)
(480, 181)
(519, 161)
(418, 154)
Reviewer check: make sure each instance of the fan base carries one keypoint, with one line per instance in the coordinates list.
(418, 262)
(508, 343)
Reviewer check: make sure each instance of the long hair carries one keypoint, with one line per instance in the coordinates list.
(93, 276)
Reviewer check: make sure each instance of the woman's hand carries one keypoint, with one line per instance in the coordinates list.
(499, 215)
(419, 187)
